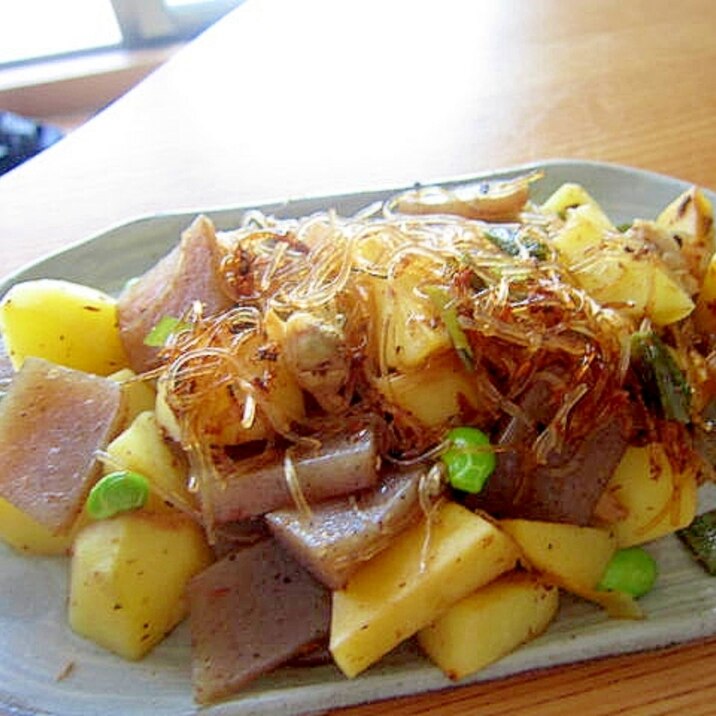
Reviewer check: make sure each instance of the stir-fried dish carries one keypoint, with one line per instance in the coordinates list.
(319, 437)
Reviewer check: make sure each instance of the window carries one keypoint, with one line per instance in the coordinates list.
(34, 29)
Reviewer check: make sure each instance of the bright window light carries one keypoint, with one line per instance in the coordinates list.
(39, 28)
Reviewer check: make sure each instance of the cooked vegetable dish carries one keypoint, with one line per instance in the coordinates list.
(319, 437)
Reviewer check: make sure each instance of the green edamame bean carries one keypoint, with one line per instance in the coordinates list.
(469, 464)
(632, 570)
(117, 492)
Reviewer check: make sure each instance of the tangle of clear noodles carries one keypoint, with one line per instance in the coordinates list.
(552, 436)
(430, 490)
(325, 270)
(294, 488)
(325, 265)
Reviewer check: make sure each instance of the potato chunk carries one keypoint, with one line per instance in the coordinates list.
(128, 577)
(657, 499)
(142, 448)
(25, 534)
(705, 311)
(412, 325)
(397, 593)
(572, 557)
(63, 322)
(490, 623)
(569, 196)
(139, 395)
(691, 217)
(451, 390)
(637, 282)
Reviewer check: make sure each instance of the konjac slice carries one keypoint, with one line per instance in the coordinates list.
(342, 534)
(53, 421)
(568, 484)
(254, 486)
(189, 273)
(250, 612)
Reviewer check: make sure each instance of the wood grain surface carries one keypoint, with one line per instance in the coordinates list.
(288, 99)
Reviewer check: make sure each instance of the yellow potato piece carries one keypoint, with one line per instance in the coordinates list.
(410, 584)
(705, 311)
(139, 395)
(128, 576)
(407, 321)
(62, 322)
(690, 213)
(583, 231)
(657, 500)
(25, 534)
(568, 555)
(568, 197)
(142, 448)
(220, 412)
(691, 217)
(435, 394)
(166, 419)
(489, 624)
(637, 285)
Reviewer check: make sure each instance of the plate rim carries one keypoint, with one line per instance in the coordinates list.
(355, 696)
(7, 280)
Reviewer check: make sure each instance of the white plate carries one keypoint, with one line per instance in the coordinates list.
(37, 646)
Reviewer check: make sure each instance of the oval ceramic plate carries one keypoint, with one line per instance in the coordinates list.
(46, 669)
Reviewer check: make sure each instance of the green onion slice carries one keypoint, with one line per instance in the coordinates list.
(662, 380)
(166, 327)
(448, 313)
(700, 539)
(513, 241)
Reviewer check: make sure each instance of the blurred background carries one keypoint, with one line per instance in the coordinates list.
(61, 61)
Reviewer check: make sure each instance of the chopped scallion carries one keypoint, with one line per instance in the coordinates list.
(700, 539)
(662, 380)
(448, 314)
(166, 327)
(514, 242)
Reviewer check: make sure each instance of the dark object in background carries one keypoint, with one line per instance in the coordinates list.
(22, 138)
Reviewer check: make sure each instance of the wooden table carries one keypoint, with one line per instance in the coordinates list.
(286, 99)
